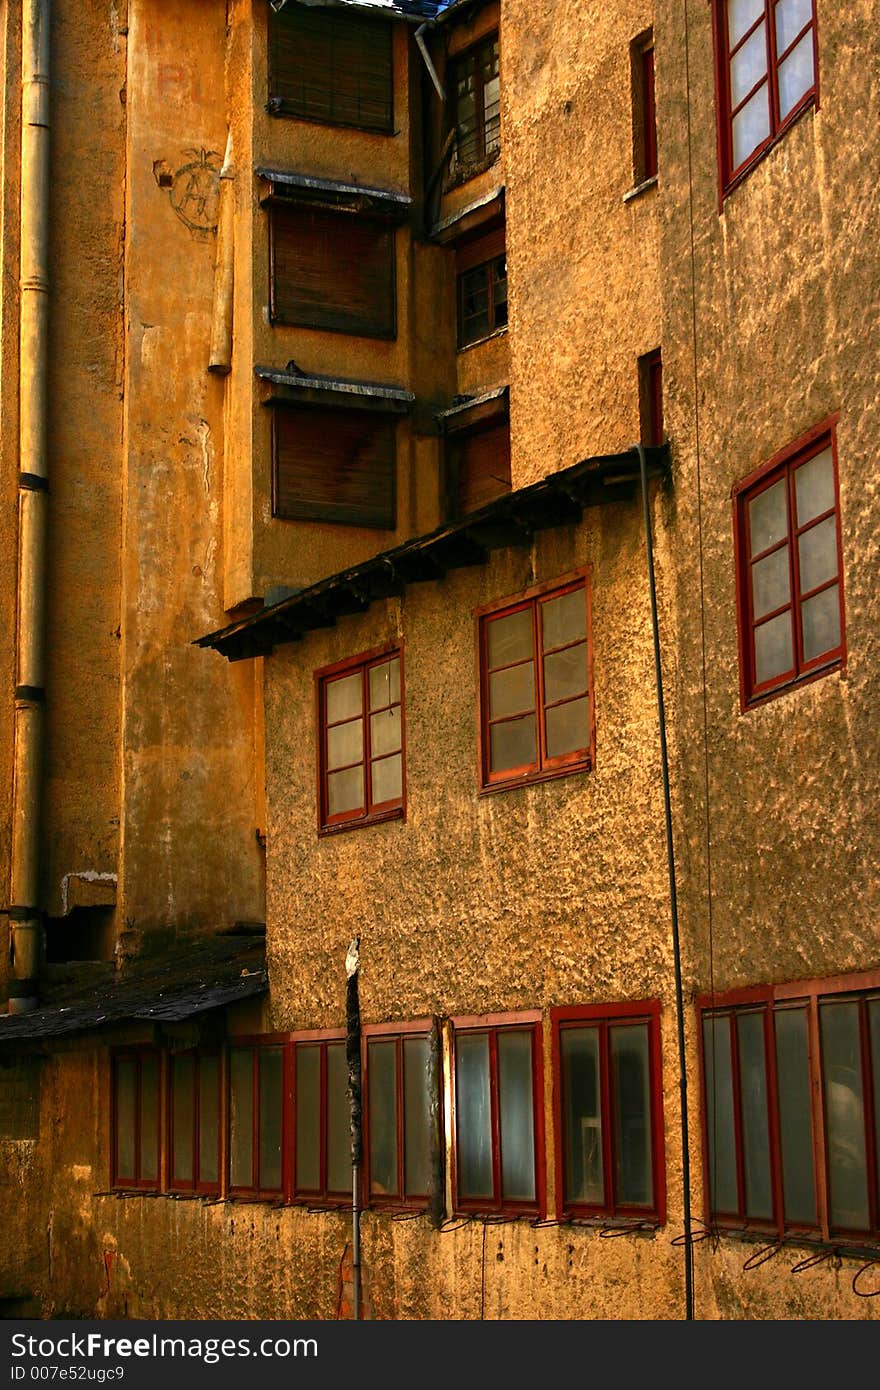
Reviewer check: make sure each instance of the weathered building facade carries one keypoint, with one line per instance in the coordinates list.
(414, 377)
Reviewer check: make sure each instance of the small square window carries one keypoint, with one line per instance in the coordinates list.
(361, 740)
(498, 1115)
(256, 1090)
(609, 1110)
(401, 1100)
(766, 62)
(535, 691)
(331, 67)
(474, 90)
(322, 1170)
(137, 1086)
(790, 576)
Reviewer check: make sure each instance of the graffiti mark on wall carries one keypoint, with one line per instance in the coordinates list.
(194, 190)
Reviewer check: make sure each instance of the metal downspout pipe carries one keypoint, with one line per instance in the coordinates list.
(220, 360)
(673, 902)
(26, 924)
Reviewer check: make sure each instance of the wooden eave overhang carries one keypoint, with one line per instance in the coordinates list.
(286, 186)
(470, 220)
(295, 388)
(511, 520)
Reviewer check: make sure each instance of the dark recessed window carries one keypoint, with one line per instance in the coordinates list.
(332, 271)
(644, 108)
(475, 102)
(331, 67)
(767, 74)
(536, 710)
(481, 267)
(787, 519)
(497, 1115)
(477, 466)
(651, 397)
(792, 1121)
(322, 1143)
(401, 1093)
(609, 1110)
(136, 1119)
(336, 466)
(256, 1088)
(360, 718)
(194, 1121)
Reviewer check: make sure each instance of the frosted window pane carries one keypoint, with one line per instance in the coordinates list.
(632, 1115)
(241, 1120)
(473, 1118)
(817, 554)
(568, 728)
(345, 791)
(126, 1081)
(209, 1119)
(307, 1113)
(565, 673)
(755, 1125)
(773, 649)
(874, 1019)
(416, 1116)
(768, 518)
(150, 1118)
(516, 1116)
(770, 582)
(385, 731)
(584, 1179)
(748, 66)
(510, 638)
(796, 75)
(741, 15)
(345, 744)
(844, 1116)
(344, 698)
(387, 779)
(382, 1065)
(512, 690)
(512, 744)
(563, 619)
(271, 1103)
(751, 126)
(820, 617)
(183, 1098)
(791, 16)
(719, 1115)
(385, 684)
(795, 1122)
(338, 1120)
(814, 487)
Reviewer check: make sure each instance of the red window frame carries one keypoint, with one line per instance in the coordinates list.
(730, 175)
(320, 1194)
(371, 813)
(134, 1181)
(398, 1033)
(195, 1183)
(644, 109)
(784, 465)
(256, 1189)
(651, 397)
(492, 1026)
(543, 767)
(604, 1017)
(769, 1001)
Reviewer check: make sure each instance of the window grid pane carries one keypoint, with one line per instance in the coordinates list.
(362, 743)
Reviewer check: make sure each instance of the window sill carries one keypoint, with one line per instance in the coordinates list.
(810, 103)
(639, 189)
(530, 778)
(818, 1248)
(396, 814)
(477, 342)
(836, 663)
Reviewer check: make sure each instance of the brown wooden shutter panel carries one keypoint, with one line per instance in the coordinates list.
(333, 270)
(480, 249)
(336, 466)
(331, 68)
(483, 466)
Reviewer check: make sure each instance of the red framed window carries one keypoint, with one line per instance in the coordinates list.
(256, 1087)
(791, 1107)
(498, 1114)
(194, 1079)
(401, 1097)
(766, 68)
(361, 740)
(644, 109)
(651, 397)
(474, 89)
(789, 567)
(322, 1171)
(137, 1110)
(481, 267)
(609, 1111)
(535, 689)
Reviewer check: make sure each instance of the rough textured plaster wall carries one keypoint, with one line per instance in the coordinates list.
(187, 723)
(584, 275)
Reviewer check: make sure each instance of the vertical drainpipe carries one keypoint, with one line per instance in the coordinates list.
(24, 912)
(224, 271)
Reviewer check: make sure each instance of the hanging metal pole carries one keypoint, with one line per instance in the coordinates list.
(353, 1058)
(673, 903)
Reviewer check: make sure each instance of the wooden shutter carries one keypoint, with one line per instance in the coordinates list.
(481, 468)
(480, 249)
(334, 465)
(330, 67)
(333, 270)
